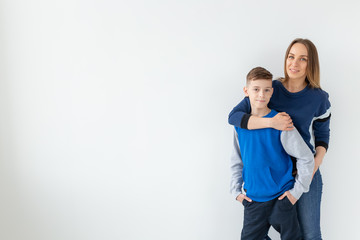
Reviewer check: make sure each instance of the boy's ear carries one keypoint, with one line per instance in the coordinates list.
(272, 91)
(246, 91)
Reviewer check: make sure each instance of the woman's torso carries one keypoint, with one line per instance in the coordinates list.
(304, 107)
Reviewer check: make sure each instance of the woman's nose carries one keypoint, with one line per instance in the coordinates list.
(295, 62)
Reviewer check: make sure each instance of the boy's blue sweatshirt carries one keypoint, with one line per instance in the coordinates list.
(309, 109)
(261, 161)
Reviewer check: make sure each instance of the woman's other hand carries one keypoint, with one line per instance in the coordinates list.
(282, 121)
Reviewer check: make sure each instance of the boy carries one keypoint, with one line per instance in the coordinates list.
(261, 162)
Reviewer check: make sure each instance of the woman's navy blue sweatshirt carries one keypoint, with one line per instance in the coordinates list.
(309, 110)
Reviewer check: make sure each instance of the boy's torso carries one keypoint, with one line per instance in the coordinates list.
(267, 170)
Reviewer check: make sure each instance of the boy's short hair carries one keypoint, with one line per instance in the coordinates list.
(258, 73)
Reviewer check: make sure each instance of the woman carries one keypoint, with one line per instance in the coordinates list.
(301, 102)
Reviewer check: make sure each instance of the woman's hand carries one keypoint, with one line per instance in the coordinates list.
(241, 198)
(282, 121)
(291, 198)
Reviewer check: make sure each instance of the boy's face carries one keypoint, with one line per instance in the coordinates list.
(259, 92)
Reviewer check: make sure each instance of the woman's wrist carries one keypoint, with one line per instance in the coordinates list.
(270, 122)
(319, 156)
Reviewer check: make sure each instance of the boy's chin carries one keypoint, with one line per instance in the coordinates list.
(262, 105)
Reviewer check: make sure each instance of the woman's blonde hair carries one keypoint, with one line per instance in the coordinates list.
(313, 66)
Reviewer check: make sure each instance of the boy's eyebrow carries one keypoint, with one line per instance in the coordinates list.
(259, 86)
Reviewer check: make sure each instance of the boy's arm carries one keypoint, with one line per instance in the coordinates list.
(236, 168)
(240, 117)
(295, 146)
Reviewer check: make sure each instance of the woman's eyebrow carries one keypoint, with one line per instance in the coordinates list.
(300, 55)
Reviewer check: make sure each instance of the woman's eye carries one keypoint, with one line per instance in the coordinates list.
(291, 57)
(303, 59)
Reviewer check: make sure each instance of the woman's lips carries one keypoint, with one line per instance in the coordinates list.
(293, 70)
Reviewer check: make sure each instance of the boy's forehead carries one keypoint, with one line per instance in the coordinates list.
(261, 82)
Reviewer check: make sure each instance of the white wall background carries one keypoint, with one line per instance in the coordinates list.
(113, 119)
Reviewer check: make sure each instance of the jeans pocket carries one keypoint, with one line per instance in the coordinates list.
(245, 202)
(285, 204)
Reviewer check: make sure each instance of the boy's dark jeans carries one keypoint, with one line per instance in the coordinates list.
(259, 216)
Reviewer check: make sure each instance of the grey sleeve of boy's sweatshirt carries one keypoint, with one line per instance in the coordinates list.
(236, 168)
(295, 146)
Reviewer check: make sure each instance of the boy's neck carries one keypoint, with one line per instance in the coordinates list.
(260, 112)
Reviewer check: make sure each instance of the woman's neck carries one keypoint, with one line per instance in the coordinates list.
(295, 85)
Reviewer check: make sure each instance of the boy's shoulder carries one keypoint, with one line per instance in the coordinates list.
(271, 114)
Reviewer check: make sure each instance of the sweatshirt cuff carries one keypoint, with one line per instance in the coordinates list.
(236, 194)
(322, 144)
(245, 120)
(296, 194)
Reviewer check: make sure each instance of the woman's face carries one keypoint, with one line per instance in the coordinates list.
(296, 62)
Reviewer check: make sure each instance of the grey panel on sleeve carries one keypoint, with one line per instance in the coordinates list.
(236, 168)
(295, 146)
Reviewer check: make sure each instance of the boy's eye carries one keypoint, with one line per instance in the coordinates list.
(267, 90)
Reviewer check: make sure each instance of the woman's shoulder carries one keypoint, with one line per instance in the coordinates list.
(320, 97)
(276, 82)
(320, 93)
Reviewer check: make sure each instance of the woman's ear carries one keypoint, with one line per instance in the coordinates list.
(246, 91)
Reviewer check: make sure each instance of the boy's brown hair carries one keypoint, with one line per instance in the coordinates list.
(258, 73)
